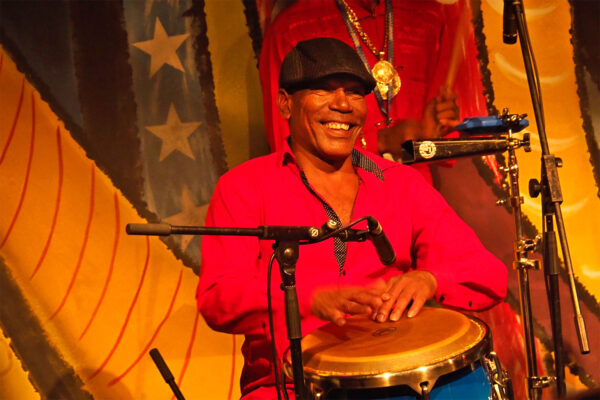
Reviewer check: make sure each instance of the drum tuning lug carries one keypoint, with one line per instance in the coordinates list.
(499, 378)
(425, 390)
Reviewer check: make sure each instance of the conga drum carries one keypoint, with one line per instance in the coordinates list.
(438, 354)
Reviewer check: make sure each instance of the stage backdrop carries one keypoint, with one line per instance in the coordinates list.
(121, 112)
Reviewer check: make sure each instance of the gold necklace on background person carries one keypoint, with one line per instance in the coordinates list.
(384, 73)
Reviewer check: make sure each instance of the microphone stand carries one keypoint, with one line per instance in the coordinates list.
(287, 241)
(549, 187)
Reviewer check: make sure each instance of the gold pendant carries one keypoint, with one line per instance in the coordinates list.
(385, 75)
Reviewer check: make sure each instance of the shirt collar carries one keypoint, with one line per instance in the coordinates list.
(360, 159)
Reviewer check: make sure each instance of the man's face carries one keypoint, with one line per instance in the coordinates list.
(326, 118)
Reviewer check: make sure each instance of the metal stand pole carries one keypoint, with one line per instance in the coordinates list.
(551, 200)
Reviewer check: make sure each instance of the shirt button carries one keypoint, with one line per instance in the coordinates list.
(344, 273)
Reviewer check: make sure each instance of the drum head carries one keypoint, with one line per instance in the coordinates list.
(409, 351)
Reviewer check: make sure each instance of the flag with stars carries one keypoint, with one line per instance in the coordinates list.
(182, 152)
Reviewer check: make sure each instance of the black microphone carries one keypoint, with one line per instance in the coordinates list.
(509, 23)
(384, 248)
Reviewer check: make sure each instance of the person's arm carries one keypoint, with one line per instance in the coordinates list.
(273, 50)
(468, 276)
(450, 263)
(440, 117)
(231, 291)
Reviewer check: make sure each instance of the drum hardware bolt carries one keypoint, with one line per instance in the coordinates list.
(527, 245)
(331, 224)
(540, 382)
(526, 143)
(424, 390)
(526, 263)
(501, 202)
(522, 249)
(318, 394)
(558, 162)
(515, 202)
(535, 188)
(288, 253)
(313, 232)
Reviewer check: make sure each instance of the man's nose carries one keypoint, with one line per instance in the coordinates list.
(340, 101)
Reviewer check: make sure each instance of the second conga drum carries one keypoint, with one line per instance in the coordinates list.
(439, 354)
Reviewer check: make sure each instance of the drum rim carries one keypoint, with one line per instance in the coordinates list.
(412, 378)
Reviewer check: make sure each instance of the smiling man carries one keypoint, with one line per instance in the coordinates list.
(320, 176)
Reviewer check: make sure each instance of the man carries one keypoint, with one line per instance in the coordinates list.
(418, 46)
(318, 175)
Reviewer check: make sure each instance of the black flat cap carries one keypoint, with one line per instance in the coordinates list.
(313, 59)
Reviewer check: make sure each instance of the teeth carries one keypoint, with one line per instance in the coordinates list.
(337, 125)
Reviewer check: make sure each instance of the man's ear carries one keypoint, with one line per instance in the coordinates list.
(284, 103)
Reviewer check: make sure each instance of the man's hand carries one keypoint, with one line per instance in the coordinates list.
(334, 304)
(414, 286)
(441, 115)
(389, 140)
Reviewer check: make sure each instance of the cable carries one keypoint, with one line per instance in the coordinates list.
(272, 330)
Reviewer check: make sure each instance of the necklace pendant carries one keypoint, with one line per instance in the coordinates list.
(386, 77)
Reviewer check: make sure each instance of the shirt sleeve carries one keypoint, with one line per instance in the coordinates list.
(231, 294)
(469, 277)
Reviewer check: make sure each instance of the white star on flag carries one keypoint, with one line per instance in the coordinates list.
(162, 48)
(174, 134)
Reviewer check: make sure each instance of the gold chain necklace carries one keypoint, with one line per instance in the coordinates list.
(354, 19)
(384, 73)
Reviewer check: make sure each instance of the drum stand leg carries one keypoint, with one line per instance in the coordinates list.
(523, 264)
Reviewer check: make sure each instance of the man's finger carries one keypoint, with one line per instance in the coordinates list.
(401, 303)
(367, 298)
(353, 308)
(417, 305)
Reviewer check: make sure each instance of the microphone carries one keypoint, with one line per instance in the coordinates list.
(509, 23)
(384, 248)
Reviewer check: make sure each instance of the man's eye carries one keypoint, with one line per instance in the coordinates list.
(355, 93)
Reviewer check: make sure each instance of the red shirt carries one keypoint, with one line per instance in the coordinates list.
(425, 232)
